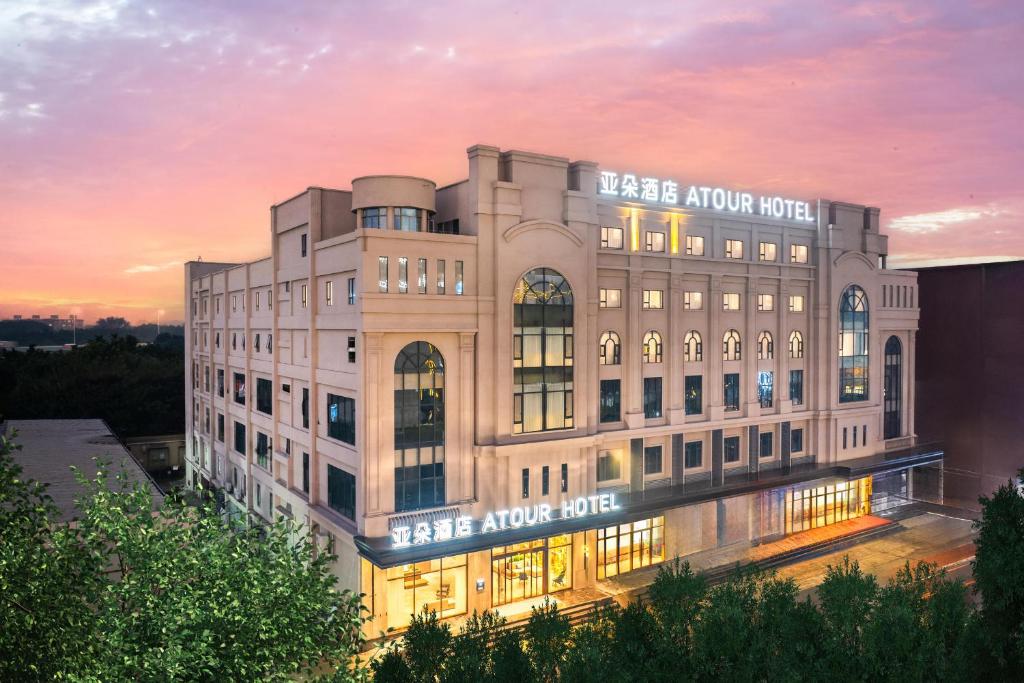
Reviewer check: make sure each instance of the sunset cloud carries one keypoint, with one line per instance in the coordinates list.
(134, 132)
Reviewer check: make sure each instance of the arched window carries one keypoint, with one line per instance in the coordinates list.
(693, 347)
(419, 427)
(609, 350)
(652, 347)
(893, 398)
(542, 352)
(731, 349)
(853, 345)
(796, 344)
(765, 346)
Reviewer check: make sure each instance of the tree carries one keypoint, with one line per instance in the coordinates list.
(113, 323)
(999, 575)
(547, 634)
(170, 594)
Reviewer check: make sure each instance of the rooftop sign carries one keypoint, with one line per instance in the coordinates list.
(423, 533)
(658, 191)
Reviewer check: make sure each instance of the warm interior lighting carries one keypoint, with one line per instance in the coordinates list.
(674, 233)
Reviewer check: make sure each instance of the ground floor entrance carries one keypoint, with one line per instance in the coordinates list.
(527, 570)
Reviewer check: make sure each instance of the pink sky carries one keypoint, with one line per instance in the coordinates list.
(137, 135)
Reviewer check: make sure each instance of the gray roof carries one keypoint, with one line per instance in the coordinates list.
(50, 447)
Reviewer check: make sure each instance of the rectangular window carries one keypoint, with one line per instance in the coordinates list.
(609, 466)
(341, 418)
(341, 492)
(220, 427)
(303, 244)
(545, 476)
(375, 217)
(766, 302)
(329, 292)
(766, 444)
(610, 400)
(796, 303)
(382, 274)
(565, 478)
(730, 301)
(403, 275)
(796, 441)
(622, 548)
(351, 291)
(440, 276)
(305, 408)
(653, 299)
(731, 449)
(240, 438)
(220, 382)
(256, 297)
(305, 473)
(609, 298)
(694, 245)
(844, 438)
(767, 251)
(864, 436)
(656, 241)
(234, 303)
(421, 275)
(611, 238)
(734, 249)
(262, 449)
(239, 388)
(406, 219)
(766, 388)
(264, 396)
(796, 387)
(694, 394)
(305, 295)
(351, 349)
(855, 436)
(652, 397)
(798, 253)
(652, 460)
(693, 455)
(458, 278)
(526, 482)
(732, 391)
(693, 301)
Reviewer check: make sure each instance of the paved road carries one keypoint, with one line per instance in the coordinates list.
(932, 537)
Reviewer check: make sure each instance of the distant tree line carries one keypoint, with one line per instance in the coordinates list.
(920, 626)
(138, 390)
(38, 332)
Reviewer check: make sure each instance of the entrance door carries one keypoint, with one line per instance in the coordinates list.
(518, 573)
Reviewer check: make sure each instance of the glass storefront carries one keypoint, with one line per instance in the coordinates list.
(435, 585)
(625, 547)
(527, 570)
(820, 506)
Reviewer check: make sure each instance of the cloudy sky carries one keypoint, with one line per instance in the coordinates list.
(135, 135)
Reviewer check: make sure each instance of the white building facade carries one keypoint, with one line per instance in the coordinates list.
(550, 376)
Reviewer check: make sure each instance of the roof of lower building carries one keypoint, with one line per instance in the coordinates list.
(49, 448)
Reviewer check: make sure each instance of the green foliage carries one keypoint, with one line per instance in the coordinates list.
(138, 390)
(999, 576)
(133, 593)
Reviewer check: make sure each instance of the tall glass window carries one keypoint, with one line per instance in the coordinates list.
(732, 391)
(419, 427)
(893, 387)
(652, 397)
(542, 352)
(652, 347)
(731, 347)
(853, 345)
(796, 387)
(609, 351)
(406, 219)
(611, 400)
(796, 344)
(694, 391)
(765, 346)
(693, 349)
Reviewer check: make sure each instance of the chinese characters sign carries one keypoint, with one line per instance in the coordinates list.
(423, 533)
(633, 187)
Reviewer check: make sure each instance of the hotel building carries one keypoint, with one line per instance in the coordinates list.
(547, 377)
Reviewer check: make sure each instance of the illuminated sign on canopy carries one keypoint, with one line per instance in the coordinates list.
(423, 533)
(655, 190)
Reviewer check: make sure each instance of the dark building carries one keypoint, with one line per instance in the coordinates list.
(970, 373)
